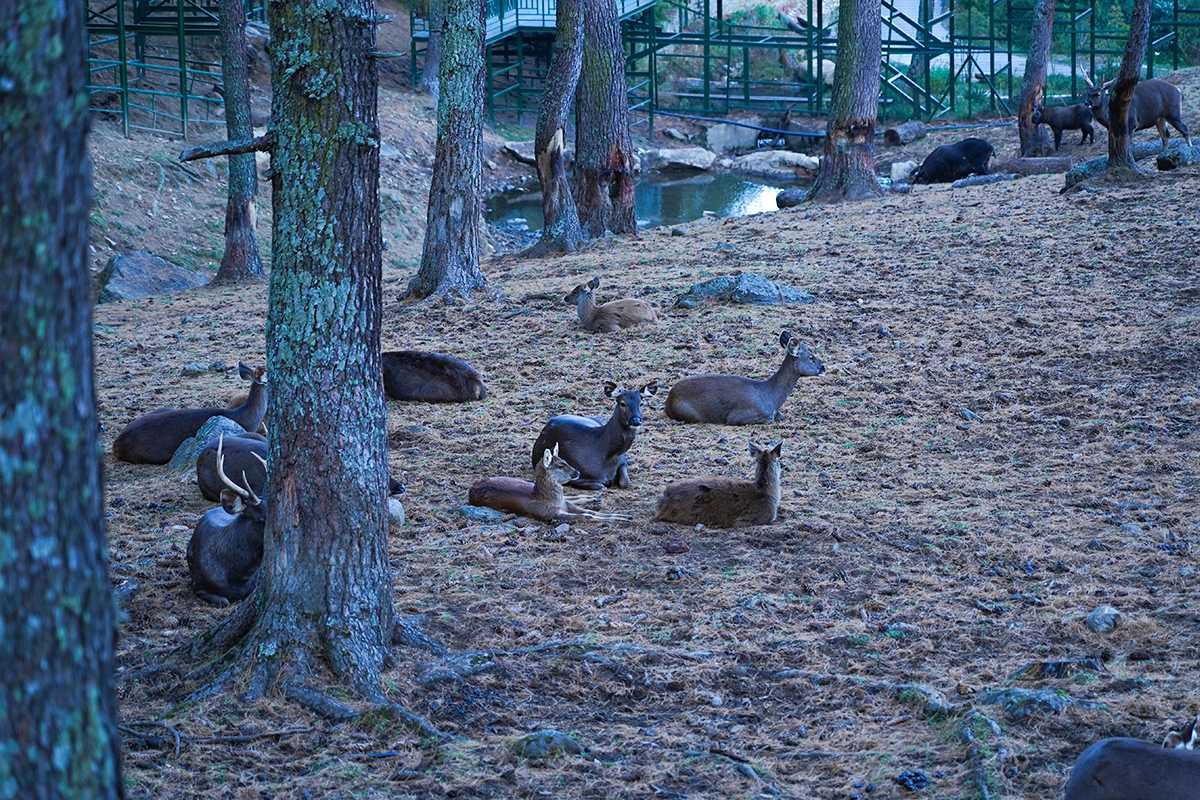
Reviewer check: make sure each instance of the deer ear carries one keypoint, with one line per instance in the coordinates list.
(232, 502)
(547, 457)
(594, 283)
(649, 390)
(244, 372)
(611, 389)
(784, 338)
(778, 450)
(755, 450)
(1173, 741)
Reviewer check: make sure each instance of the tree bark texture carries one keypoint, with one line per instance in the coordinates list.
(450, 261)
(324, 595)
(241, 260)
(848, 168)
(1034, 141)
(604, 191)
(561, 232)
(431, 67)
(1120, 149)
(58, 709)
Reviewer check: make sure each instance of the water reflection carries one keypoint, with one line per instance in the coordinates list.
(658, 202)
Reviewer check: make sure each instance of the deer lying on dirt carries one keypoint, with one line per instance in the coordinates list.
(1154, 103)
(245, 455)
(593, 446)
(734, 400)
(153, 438)
(1133, 769)
(611, 316)
(543, 499)
(726, 502)
(226, 549)
(430, 378)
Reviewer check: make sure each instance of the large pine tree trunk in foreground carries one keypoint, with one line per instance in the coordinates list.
(1034, 141)
(58, 708)
(561, 232)
(324, 596)
(848, 168)
(604, 192)
(1120, 142)
(241, 260)
(450, 261)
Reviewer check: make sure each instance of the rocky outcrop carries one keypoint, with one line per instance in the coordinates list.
(127, 276)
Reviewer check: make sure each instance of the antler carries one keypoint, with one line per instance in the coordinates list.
(246, 493)
(1088, 80)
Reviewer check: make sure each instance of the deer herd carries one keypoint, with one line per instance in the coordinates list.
(225, 552)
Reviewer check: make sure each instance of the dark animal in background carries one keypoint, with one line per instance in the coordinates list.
(1154, 103)
(1133, 769)
(226, 549)
(734, 400)
(613, 315)
(950, 162)
(1077, 117)
(153, 438)
(726, 502)
(594, 446)
(543, 499)
(430, 378)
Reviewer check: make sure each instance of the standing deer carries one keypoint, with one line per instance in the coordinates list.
(153, 438)
(594, 446)
(734, 400)
(543, 499)
(1154, 103)
(611, 316)
(726, 502)
(226, 549)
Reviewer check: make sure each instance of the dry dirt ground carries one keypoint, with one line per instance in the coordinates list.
(1005, 438)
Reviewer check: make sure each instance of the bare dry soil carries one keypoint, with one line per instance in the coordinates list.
(1005, 438)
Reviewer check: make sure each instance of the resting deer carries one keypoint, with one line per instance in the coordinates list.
(543, 499)
(430, 378)
(226, 549)
(726, 502)
(611, 316)
(153, 438)
(734, 400)
(594, 446)
(1133, 769)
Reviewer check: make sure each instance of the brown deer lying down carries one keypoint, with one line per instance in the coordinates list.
(543, 499)
(430, 378)
(153, 438)
(594, 446)
(611, 316)
(246, 459)
(734, 400)
(226, 549)
(726, 502)
(1132, 769)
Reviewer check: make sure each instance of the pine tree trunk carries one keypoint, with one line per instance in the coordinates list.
(450, 261)
(604, 192)
(431, 68)
(241, 260)
(561, 232)
(1120, 138)
(324, 596)
(1034, 141)
(848, 168)
(58, 708)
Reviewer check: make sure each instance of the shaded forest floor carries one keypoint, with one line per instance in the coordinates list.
(1005, 439)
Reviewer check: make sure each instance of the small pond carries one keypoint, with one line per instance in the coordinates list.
(660, 201)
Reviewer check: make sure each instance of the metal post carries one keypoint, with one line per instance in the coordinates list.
(183, 89)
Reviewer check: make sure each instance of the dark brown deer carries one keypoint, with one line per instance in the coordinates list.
(726, 502)
(613, 315)
(594, 446)
(543, 499)
(226, 549)
(1077, 117)
(246, 456)
(734, 400)
(153, 438)
(1154, 103)
(1133, 769)
(430, 378)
